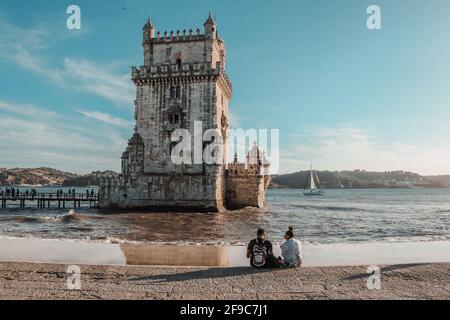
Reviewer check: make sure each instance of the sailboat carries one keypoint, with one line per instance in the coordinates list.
(313, 190)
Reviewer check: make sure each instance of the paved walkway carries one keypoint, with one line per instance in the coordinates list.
(48, 281)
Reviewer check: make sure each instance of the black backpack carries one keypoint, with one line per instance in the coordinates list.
(259, 256)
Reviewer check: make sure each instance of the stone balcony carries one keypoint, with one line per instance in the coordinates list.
(176, 71)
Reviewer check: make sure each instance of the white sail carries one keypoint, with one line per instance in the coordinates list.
(313, 184)
(314, 188)
(317, 179)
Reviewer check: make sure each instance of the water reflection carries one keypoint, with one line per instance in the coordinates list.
(194, 227)
(172, 255)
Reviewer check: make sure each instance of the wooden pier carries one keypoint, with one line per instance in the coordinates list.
(49, 200)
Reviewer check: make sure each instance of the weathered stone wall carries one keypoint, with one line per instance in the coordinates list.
(193, 51)
(245, 191)
(164, 192)
(154, 109)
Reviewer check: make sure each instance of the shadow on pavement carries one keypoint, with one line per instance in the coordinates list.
(203, 274)
(387, 269)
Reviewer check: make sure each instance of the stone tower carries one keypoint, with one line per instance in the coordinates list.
(182, 81)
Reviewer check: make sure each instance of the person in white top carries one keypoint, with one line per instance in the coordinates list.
(291, 251)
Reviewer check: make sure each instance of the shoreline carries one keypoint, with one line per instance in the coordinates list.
(116, 254)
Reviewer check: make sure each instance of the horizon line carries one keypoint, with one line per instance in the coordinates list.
(278, 174)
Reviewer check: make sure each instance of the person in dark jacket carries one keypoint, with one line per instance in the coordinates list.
(260, 252)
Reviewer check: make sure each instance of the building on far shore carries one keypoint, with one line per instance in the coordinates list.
(182, 82)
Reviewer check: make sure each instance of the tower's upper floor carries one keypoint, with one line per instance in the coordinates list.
(182, 54)
(184, 47)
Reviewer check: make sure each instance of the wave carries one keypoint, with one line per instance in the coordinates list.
(332, 208)
(65, 218)
(23, 219)
(71, 216)
(121, 241)
(442, 211)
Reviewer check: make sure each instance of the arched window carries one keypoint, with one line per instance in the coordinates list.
(179, 64)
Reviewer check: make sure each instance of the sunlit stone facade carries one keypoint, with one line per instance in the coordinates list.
(183, 82)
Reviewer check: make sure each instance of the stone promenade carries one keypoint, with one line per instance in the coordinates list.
(48, 281)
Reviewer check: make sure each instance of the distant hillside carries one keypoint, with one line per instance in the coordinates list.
(37, 176)
(357, 179)
(92, 179)
(49, 177)
(444, 181)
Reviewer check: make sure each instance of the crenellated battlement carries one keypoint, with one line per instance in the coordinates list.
(178, 36)
(256, 165)
(243, 170)
(153, 37)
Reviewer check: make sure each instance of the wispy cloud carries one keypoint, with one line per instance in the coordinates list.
(41, 137)
(102, 80)
(346, 148)
(25, 109)
(34, 135)
(234, 120)
(25, 48)
(106, 118)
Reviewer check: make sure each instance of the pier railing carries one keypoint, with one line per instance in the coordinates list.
(49, 200)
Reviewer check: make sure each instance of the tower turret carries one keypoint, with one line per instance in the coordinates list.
(148, 35)
(210, 28)
(149, 31)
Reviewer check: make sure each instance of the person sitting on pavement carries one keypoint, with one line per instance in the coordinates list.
(260, 252)
(291, 251)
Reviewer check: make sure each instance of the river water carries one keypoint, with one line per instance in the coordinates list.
(341, 216)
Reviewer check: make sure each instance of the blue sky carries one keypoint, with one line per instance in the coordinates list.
(342, 96)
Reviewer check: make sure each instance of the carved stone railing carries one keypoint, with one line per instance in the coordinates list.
(173, 70)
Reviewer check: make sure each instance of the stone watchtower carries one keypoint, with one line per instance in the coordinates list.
(182, 81)
(181, 84)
